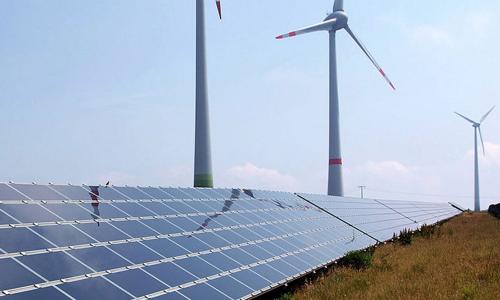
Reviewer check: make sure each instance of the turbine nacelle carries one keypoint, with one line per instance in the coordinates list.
(340, 20)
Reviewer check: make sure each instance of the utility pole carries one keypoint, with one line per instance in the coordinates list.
(362, 190)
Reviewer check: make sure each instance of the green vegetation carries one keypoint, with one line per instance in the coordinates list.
(287, 296)
(357, 260)
(405, 237)
(427, 231)
(456, 260)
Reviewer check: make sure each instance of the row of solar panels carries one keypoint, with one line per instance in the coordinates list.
(78, 242)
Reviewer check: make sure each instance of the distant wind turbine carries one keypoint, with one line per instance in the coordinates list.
(202, 155)
(477, 128)
(334, 22)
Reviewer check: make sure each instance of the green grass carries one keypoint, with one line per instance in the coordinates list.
(457, 260)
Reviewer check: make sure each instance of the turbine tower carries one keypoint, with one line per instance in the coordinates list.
(202, 155)
(336, 21)
(477, 128)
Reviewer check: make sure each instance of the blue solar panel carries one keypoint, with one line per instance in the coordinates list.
(144, 242)
(382, 219)
(423, 212)
(368, 215)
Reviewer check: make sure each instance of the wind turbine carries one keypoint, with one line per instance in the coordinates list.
(477, 128)
(202, 155)
(334, 22)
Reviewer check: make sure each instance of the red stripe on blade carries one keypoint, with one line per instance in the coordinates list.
(219, 9)
(335, 161)
(293, 33)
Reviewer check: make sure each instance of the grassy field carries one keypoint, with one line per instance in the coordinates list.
(461, 260)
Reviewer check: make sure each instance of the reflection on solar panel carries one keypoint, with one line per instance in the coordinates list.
(143, 242)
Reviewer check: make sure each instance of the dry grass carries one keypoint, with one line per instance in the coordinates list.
(460, 261)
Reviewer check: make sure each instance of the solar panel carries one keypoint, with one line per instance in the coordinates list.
(144, 242)
(382, 219)
(423, 212)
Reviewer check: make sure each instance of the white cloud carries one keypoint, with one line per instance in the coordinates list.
(480, 23)
(490, 159)
(387, 168)
(175, 176)
(392, 176)
(180, 175)
(251, 176)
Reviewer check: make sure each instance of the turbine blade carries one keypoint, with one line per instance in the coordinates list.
(466, 118)
(219, 8)
(486, 115)
(326, 25)
(482, 142)
(365, 50)
(339, 5)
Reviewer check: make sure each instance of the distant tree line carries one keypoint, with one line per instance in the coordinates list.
(494, 209)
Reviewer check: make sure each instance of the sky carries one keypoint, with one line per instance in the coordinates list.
(92, 91)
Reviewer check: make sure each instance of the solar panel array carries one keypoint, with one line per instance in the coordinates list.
(381, 219)
(63, 241)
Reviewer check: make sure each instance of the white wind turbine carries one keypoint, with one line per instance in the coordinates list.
(477, 128)
(202, 155)
(336, 21)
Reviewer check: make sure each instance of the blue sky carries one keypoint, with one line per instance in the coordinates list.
(92, 91)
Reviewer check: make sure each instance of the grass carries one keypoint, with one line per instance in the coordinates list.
(457, 260)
